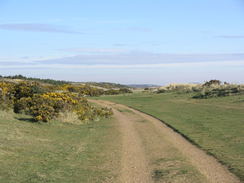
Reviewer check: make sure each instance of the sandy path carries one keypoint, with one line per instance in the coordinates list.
(134, 162)
(134, 167)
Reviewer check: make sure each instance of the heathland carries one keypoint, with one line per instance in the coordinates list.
(58, 131)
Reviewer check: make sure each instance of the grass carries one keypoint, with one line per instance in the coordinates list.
(57, 152)
(216, 124)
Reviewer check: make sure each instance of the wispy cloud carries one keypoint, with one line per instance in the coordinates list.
(33, 27)
(126, 59)
(93, 50)
(143, 58)
(26, 59)
(122, 66)
(231, 36)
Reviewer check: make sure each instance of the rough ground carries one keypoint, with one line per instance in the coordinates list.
(152, 152)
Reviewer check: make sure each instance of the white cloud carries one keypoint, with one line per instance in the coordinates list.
(123, 60)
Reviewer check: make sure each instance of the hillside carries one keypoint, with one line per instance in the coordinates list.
(101, 85)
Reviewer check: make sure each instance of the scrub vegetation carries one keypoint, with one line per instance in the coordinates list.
(212, 88)
(45, 103)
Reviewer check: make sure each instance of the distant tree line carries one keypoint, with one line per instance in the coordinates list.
(49, 81)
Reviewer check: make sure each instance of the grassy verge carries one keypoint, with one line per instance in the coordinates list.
(57, 152)
(215, 124)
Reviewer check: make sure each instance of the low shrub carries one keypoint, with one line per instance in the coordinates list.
(47, 106)
(180, 88)
(219, 91)
(212, 88)
(6, 95)
(38, 101)
(117, 91)
(27, 89)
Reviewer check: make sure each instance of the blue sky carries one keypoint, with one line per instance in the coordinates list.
(139, 41)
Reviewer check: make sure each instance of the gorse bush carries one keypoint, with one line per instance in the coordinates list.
(23, 93)
(6, 95)
(36, 100)
(27, 89)
(46, 99)
(47, 106)
(44, 107)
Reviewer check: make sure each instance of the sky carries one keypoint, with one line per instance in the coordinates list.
(123, 41)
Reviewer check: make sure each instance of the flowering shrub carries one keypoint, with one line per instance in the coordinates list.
(27, 89)
(83, 90)
(47, 106)
(35, 99)
(6, 97)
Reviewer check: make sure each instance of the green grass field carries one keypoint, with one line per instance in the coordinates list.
(57, 152)
(216, 124)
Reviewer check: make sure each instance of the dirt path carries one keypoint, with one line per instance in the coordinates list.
(134, 164)
(152, 141)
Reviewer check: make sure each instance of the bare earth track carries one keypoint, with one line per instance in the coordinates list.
(136, 163)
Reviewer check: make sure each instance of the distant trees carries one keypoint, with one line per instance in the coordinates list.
(49, 81)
